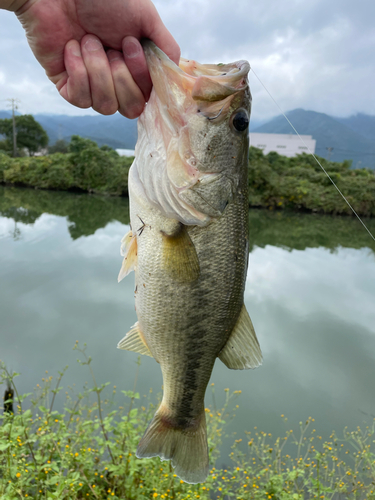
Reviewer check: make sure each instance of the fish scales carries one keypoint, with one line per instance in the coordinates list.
(188, 246)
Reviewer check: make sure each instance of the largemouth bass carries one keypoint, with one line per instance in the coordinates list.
(188, 245)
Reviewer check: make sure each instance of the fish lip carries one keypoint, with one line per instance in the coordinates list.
(151, 51)
(221, 73)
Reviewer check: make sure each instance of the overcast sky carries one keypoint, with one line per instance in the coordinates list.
(313, 54)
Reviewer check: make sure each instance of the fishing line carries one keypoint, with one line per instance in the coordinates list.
(315, 158)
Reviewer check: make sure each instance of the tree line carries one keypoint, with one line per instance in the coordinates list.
(275, 181)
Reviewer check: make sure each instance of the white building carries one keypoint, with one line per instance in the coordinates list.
(125, 152)
(284, 144)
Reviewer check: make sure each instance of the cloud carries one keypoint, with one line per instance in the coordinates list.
(315, 55)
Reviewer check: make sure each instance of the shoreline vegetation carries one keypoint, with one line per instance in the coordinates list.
(275, 182)
(86, 450)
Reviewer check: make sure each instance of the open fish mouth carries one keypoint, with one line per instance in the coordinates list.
(192, 81)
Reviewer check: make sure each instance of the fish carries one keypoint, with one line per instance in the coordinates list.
(188, 245)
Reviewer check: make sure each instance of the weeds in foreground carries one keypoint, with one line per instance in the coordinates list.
(88, 452)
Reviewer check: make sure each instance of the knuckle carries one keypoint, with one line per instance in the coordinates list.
(106, 108)
(130, 111)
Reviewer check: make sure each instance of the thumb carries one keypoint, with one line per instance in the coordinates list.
(162, 38)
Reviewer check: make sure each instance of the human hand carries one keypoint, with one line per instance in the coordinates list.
(90, 49)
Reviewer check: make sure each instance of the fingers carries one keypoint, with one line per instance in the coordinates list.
(87, 79)
(73, 84)
(102, 87)
(94, 78)
(136, 63)
(129, 96)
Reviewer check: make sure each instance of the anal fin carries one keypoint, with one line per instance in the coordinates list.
(242, 348)
(179, 257)
(134, 341)
(129, 251)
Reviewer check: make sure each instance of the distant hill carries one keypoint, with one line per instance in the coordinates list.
(356, 142)
(351, 138)
(361, 123)
(115, 130)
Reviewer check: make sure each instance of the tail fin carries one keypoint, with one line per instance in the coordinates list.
(187, 448)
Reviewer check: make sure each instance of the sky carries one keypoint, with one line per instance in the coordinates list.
(309, 54)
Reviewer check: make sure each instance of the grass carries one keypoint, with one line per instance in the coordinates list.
(87, 451)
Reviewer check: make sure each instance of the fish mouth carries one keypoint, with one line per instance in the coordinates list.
(189, 104)
(206, 83)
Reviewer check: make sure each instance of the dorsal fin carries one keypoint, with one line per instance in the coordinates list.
(242, 348)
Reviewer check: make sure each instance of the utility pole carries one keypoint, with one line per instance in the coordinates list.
(13, 103)
(329, 152)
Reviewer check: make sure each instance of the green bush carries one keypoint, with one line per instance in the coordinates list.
(87, 451)
(86, 167)
(275, 181)
(299, 183)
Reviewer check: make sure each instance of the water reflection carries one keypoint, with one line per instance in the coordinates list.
(312, 307)
(87, 213)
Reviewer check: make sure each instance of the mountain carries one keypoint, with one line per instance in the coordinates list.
(361, 123)
(115, 130)
(351, 138)
(355, 142)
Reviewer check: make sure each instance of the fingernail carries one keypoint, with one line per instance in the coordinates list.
(131, 49)
(92, 44)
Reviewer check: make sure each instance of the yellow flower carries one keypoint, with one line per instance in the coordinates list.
(155, 494)
(18, 474)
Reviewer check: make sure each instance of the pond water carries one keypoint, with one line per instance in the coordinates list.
(310, 292)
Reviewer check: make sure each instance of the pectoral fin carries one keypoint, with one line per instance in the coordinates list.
(179, 257)
(242, 348)
(129, 251)
(134, 341)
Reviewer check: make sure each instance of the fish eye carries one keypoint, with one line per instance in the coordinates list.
(240, 120)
